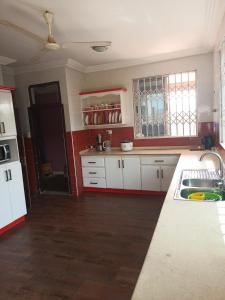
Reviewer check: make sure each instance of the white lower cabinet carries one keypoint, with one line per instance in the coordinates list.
(5, 204)
(123, 172)
(129, 172)
(12, 201)
(166, 176)
(150, 178)
(113, 172)
(157, 172)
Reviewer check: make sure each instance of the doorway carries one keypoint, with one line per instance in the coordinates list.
(47, 123)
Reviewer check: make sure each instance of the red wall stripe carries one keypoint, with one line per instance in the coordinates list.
(102, 91)
(7, 88)
(11, 225)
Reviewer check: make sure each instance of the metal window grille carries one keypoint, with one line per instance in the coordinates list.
(166, 105)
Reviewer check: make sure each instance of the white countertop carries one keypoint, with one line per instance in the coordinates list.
(186, 257)
(137, 151)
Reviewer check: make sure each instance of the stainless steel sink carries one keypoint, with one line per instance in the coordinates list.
(207, 183)
(186, 192)
(193, 181)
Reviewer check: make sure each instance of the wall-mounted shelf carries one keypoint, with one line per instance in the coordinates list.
(103, 108)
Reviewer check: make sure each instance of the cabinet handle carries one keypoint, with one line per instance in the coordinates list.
(92, 173)
(6, 176)
(119, 163)
(10, 174)
(93, 183)
(122, 163)
(92, 162)
(157, 173)
(159, 161)
(161, 173)
(3, 126)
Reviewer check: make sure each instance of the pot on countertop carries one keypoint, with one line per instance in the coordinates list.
(126, 145)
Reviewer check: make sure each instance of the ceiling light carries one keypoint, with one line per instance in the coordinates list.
(100, 48)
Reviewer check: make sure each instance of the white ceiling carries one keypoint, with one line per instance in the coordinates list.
(138, 29)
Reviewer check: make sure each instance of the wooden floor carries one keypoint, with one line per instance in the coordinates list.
(87, 249)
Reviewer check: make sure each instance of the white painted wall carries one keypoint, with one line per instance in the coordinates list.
(216, 65)
(75, 83)
(23, 81)
(6, 76)
(72, 82)
(123, 78)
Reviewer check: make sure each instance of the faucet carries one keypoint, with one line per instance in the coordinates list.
(221, 170)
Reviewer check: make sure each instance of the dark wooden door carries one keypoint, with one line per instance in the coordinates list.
(49, 139)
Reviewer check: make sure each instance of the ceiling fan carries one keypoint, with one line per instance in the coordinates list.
(50, 43)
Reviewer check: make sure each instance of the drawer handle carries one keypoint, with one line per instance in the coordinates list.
(157, 173)
(92, 162)
(10, 174)
(6, 176)
(93, 183)
(158, 160)
(92, 172)
(2, 127)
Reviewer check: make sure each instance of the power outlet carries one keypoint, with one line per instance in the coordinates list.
(109, 131)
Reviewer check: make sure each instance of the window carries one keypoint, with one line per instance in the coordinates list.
(222, 104)
(166, 105)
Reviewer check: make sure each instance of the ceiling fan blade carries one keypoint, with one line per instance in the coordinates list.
(90, 44)
(22, 30)
(37, 56)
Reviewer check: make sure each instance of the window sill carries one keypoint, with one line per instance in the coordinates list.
(166, 137)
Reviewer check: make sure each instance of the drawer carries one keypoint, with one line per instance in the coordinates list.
(93, 172)
(95, 182)
(94, 161)
(159, 159)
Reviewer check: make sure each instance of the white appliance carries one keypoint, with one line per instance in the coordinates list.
(126, 145)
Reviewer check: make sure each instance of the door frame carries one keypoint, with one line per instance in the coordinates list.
(33, 137)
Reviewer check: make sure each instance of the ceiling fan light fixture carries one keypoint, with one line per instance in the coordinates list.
(99, 48)
(52, 46)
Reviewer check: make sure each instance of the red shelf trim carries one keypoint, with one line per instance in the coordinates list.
(121, 191)
(7, 88)
(11, 225)
(103, 91)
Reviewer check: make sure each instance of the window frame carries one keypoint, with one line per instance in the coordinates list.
(167, 136)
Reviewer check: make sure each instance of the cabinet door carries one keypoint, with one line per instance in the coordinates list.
(131, 172)
(5, 205)
(7, 119)
(166, 174)
(16, 190)
(150, 177)
(114, 175)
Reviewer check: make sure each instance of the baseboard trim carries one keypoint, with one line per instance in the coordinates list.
(11, 225)
(121, 191)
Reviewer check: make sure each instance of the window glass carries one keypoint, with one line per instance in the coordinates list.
(166, 105)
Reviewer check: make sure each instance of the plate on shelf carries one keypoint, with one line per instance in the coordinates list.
(113, 117)
(120, 118)
(110, 118)
(95, 118)
(116, 117)
(86, 121)
(99, 118)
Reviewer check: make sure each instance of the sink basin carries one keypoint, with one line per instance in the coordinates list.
(207, 183)
(199, 181)
(184, 193)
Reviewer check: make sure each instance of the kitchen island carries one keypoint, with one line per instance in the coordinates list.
(186, 257)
